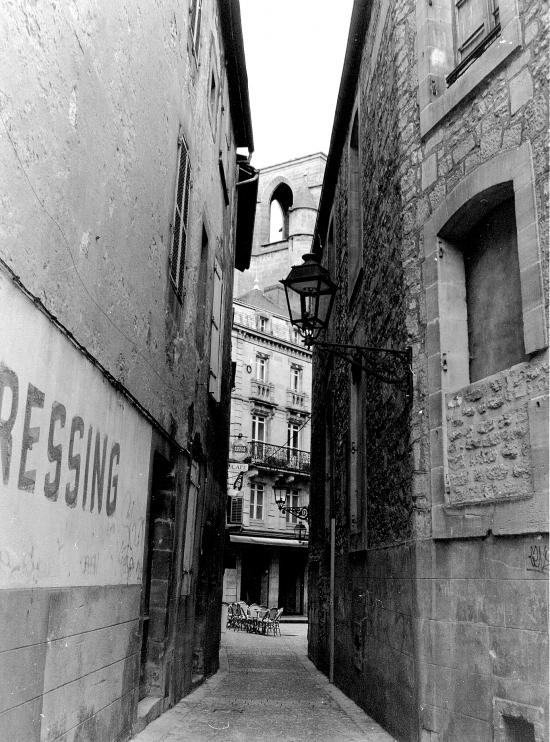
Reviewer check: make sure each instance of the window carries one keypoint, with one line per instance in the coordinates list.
(357, 460)
(181, 212)
(476, 23)
(201, 295)
(195, 11)
(261, 368)
(256, 501)
(216, 335)
(279, 206)
(495, 320)
(293, 435)
(292, 500)
(456, 238)
(262, 323)
(213, 93)
(355, 243)
(296, 378)
(190, 527)
(258, 430)
(455, 41)
(235, 509)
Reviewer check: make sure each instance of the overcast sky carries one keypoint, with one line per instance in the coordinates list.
(294, 55)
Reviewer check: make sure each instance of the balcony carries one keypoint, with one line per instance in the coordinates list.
(279, 458)
(262, 391)
(296, 400)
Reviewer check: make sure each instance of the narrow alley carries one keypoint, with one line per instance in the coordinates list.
(266, 689)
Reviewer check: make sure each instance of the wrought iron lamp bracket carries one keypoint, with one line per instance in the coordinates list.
(301, 512)
(385, 364)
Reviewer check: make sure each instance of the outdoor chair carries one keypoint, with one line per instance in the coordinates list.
(272, 622)
(252, 617)
(242, 616)
(231, 616)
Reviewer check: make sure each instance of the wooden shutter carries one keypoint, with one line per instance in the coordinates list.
(181, 213)
(196, 10)
(474, 20)
(190, 529)
(216, 335)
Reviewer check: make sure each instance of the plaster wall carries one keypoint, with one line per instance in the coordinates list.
(91, 112)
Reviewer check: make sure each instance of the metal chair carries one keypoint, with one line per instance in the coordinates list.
(272, 623)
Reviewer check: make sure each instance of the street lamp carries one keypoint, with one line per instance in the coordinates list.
(315, 290)
(279, 492)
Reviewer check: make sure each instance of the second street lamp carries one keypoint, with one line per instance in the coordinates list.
(280, 487)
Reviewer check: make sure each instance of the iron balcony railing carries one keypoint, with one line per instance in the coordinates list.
(279, 457)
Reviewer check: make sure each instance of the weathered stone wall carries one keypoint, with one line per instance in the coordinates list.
(483, 638)
(489, 447)
(444, 541)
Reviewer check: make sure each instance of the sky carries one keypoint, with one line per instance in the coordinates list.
(294, 56)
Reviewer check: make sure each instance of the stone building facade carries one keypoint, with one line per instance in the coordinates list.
(122, 221)
(266, 550)
(271, 398)
(286, 210)
(433, 221)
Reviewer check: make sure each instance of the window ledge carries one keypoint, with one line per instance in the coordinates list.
(508, 41)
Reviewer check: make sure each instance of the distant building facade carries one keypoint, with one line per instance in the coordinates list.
(433, 220)
(122, 223)
(266, 550)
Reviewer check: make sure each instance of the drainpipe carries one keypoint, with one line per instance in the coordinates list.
(331, 599)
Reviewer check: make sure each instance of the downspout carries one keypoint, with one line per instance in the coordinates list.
(331, 597)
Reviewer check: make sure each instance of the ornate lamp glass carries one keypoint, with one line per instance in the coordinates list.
(310, 294)
(279, 492)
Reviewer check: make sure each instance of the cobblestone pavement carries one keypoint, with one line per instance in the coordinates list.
(266, 690)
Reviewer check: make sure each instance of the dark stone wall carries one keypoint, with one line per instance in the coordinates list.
(429, 632)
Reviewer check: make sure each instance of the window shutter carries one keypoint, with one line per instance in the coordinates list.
(181, 212)
(474, 20)
(196, 10)
(190, 530)
(216, 335)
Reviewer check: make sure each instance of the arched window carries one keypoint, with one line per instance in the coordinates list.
(281, 201)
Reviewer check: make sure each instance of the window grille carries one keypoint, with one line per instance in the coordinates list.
(181, 213)
(235, 510)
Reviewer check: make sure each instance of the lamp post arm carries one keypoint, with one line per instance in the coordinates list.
(385, 364)
(301, 511)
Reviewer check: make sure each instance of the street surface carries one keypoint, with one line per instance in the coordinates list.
(266, 690)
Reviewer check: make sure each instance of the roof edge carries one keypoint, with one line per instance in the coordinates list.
(360, 17)
(239, 101)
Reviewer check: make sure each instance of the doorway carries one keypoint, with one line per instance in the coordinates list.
(157, 578)
(255, 576)
(291, 582)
